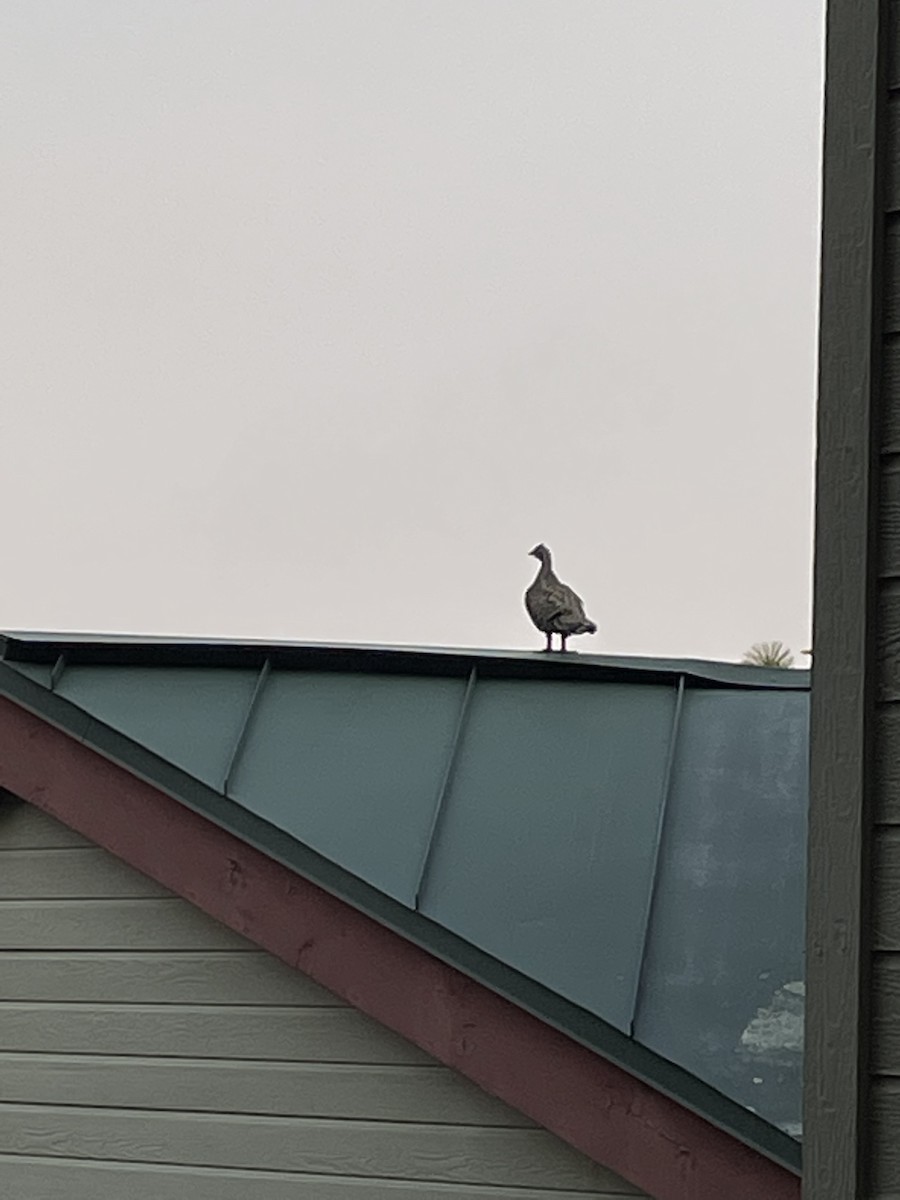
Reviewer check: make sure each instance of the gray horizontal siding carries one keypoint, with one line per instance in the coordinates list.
(335, 1090)
(72, 874)
(188, 977)
(147, 1051)
(439, 1153)
(30, 1178)
(287, 1034)
(24, 828)
(151, 924)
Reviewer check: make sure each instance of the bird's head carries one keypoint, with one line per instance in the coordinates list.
(540, 551)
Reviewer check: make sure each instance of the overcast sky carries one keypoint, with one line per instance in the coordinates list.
(318, 314)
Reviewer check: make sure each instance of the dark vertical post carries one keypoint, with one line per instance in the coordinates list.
(838, 945)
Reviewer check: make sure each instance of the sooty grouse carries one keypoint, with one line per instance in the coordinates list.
(553, 606)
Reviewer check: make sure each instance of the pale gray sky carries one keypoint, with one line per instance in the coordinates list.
(318, 314)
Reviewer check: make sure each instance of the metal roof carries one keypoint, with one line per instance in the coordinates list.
(618, 844)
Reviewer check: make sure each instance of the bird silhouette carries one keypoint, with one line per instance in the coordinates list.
(552, 605)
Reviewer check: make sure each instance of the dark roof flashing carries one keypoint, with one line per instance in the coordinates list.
(110, 649)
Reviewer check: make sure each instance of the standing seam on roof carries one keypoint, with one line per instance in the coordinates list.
(444, 788)
(651, 896)
(56, 673)
(241, 739)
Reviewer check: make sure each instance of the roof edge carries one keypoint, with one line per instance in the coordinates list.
(116, 649)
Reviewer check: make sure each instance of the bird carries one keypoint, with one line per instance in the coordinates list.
(553, 606)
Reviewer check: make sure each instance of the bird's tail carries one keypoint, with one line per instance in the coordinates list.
(590, 627)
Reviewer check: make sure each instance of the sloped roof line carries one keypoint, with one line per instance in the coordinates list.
(552, 1009)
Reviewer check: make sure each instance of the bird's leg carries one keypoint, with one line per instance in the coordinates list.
(549, 645)
(562, 638)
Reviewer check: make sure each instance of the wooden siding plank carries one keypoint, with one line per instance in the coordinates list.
(432, 1094)
(885, 1007)
(24, 827)
(170, 924)
(158, 977)
(383, 1149)
(885, 1115)
(886, 889)
(220, 1031)
(886, 783)
(892, 274)
(71, 873)
(889, 516)
(887, 647)
(892, 154)
(890, 415)
(30, 1178)
(893, 44)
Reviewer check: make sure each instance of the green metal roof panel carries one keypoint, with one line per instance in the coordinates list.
(546, 849)
(40, 672)
(726, 945)
(189, 716)
(351, 764)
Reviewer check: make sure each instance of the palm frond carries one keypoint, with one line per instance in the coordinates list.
(768, 654)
